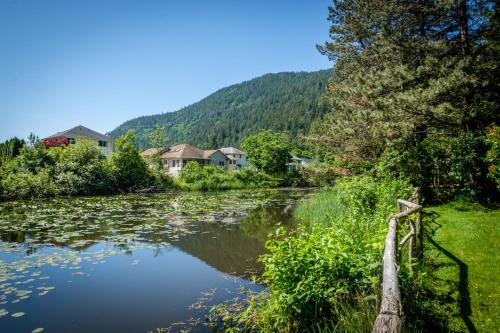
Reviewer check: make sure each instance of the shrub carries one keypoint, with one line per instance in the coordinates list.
(492, 156)
(444, 167)
(81, 169)
(129, 168)
(28, 185)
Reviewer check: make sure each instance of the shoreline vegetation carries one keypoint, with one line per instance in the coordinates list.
(30, 170)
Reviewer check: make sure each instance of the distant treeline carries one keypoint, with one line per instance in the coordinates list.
(280, 102)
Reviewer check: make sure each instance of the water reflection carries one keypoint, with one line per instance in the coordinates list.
(163, 249)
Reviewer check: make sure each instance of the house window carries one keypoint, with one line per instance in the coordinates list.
(71, 141)
(221, 163)
(173, 163)
(103, 143)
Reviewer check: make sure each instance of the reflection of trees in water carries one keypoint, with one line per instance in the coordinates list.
(221, 229)
(234, 249)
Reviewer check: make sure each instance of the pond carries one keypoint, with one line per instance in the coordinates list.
(132, 263)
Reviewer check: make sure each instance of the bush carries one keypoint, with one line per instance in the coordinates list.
(444, 167)
(492, 156)
(209, 178)
(28, 185)
(129, 168)
(81, 170)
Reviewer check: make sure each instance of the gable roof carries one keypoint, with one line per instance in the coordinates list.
(209, 153)
(152, 152)
(232, 151)
(183, 151)
(81, 131)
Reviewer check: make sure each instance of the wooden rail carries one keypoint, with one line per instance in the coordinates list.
(389, 317)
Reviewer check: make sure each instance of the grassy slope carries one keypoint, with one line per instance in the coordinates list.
(465, 247)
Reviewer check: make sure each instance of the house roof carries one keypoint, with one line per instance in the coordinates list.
(232, 151)
(152, 152)
(208, 153)
(81, 131)
(183, 151)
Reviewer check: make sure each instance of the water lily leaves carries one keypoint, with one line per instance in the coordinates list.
(18, 314)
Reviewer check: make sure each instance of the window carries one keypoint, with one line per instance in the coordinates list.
(221, 163)
(173, 163)
(103, 143)
(71, 141)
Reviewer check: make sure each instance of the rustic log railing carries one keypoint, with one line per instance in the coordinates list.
(389, 317)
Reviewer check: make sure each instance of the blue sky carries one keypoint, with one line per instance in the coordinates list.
(99, 63)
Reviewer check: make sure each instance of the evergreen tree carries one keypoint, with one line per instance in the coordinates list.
(404, 70)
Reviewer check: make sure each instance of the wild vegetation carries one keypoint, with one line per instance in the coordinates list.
(34, 171)
(326, 274)
(76, 170)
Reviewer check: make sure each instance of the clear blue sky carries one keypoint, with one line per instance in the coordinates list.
(99, 63)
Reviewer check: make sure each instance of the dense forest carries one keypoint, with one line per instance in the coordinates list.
(281, 102)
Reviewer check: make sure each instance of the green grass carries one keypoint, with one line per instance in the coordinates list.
(464, 254)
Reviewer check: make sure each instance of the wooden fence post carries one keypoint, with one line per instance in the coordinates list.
(389, 317)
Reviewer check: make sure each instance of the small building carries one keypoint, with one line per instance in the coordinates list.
(296, 162)
(72, 136)
(237, 159)
(178, 156)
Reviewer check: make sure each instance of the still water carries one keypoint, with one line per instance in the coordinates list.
(132, 263)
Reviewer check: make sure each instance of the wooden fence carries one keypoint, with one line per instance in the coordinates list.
(389, 317)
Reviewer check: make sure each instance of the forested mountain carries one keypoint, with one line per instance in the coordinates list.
(287, 101)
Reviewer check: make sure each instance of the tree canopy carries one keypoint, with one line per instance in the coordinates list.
(267, 151)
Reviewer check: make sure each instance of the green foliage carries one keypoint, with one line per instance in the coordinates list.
(318, 174)
(209, 178)
(493, 154)
(329, 265)
(10, 149)
(81, 170)
(444, 167)
(267, 151)
(280, 102)
(24, 184)
(130, 170)
(157, 137)
(410, 78)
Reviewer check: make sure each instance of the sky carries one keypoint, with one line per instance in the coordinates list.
(99, 63)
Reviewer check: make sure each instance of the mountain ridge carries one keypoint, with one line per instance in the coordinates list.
(285, 101)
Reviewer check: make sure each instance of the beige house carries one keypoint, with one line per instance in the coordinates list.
(237, 159)
(178, 156)
(72, 136)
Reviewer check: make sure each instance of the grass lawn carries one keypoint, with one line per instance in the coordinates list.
(464, 250)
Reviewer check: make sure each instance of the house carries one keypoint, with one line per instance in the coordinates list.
(237, 159)
(72, 136)
(178, 156)
(296, 162)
